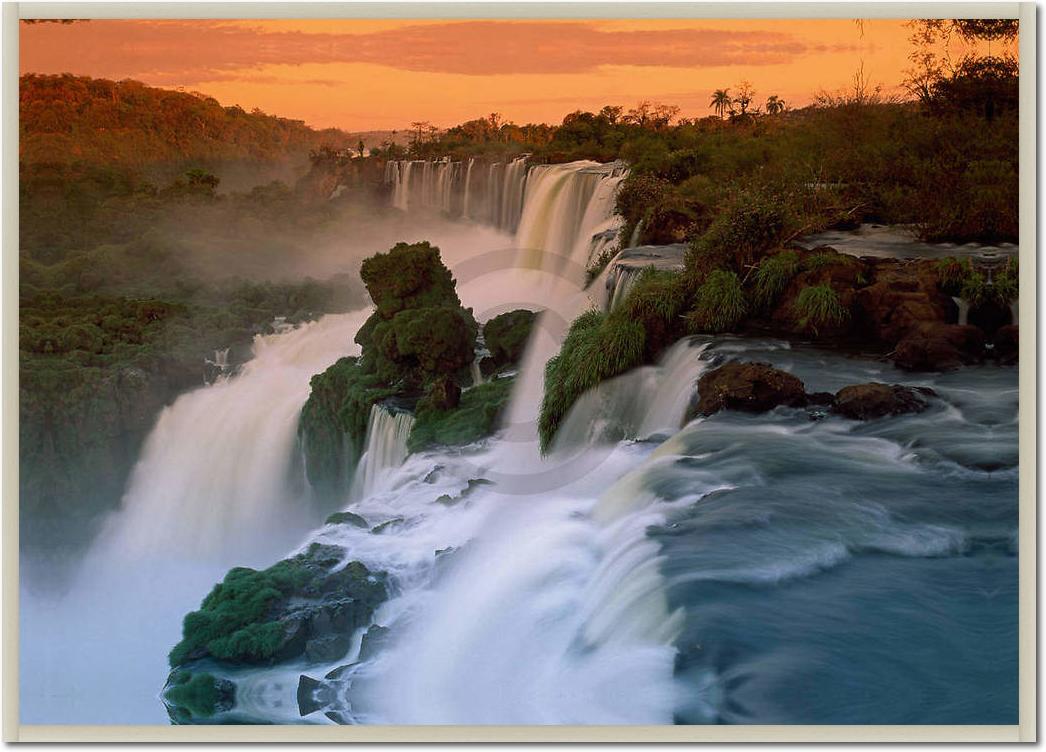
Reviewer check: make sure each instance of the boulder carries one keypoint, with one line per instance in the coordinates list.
(939, 347)
(901, 296)
(327, 648)
(875, 400)
(346, 518)
(1007, 341)
(750, 387)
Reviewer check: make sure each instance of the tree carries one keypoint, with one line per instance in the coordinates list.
(721, 102)
(361, 147)
(774, 105)
(612, 113)
(419, 127)
(745, 95)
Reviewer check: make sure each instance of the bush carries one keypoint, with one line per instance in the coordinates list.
(819, 306)
(951, 274)
(656, 301)
(408, 276)
(773, 275)
(476, 417)
(597, 347)
(747, 226)
(506, 336)
(721, 303)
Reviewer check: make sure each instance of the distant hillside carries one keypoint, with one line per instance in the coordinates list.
(66, 119)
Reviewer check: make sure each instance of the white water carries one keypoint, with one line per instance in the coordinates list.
(964, 310)
(386, 449)
(215, 474)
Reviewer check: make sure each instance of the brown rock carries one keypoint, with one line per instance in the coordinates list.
(868, 401)
(751, 387)
(939, 347)
(902, 296)
(1007, 341)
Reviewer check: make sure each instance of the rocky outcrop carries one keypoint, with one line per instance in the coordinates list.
(875, 400)
(935, 346)
(749, 387)
(300, 608)
(759, 387)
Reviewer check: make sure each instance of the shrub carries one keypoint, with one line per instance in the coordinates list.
(475, 417)
(506, 335)
(750, 224)
(410, 275)
(597, 347)
(720, 304)
(819, 306)
(773, 275)
(656, 301)
(951, 274)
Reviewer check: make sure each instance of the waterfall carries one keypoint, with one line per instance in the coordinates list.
(386, 449)
(964, 310)
(466, 205)
(215, 477)
(475, 372)
(565, 207)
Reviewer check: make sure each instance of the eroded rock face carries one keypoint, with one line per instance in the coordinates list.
(902, 296)
(875, 400)
(939, 347)
(750, 387)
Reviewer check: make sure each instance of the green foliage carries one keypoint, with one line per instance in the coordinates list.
(410, 275)
(597, 347)
(825, 259)
(773, 275)
(232, 623)
(951, 274)
(418, 344)
(819, 306)
(506, 335)
(196, 693)
(476, 417)
(748, 225)
(333, 423)
(720, 303)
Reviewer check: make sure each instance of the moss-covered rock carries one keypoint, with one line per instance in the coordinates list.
(506, 336)
(260, 617)
(476, 417)
(346, 518)
(333, 424)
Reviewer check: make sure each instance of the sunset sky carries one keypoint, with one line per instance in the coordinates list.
(370, 75)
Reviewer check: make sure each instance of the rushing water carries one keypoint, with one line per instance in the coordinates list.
(791, 567)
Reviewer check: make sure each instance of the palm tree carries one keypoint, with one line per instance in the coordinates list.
(720, 102)
(774, 105)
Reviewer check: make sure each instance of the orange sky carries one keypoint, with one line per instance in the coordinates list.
(363, 75)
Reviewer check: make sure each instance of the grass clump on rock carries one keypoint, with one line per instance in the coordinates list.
(720, 304)
(773, 275)
(598, 347)
(818, 306)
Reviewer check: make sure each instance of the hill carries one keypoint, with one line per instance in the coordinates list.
(67, 119)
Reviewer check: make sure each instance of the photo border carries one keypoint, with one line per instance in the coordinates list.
(1026, 728)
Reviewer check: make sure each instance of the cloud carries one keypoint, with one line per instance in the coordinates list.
(186, 52)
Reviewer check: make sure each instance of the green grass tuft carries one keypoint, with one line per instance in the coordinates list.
(476, 417)
(721, 303)
(819, 306)
(773, 275)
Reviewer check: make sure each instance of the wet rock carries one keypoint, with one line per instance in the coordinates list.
(902, 296)
(379, 529)
(346, 518)
(750, 387)
(875, 400)
(1007, 341)
(939, 347)
(313, 695)
(373, 641)
(328, 648)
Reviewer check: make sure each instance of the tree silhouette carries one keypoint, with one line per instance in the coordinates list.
(774, 105)
(720, 102)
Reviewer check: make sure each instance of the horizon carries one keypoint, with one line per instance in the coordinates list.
(536, 71)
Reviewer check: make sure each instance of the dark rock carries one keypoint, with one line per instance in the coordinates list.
(379, 529)
(313, 695)
(338, 673)
(990, 317)
(750, 387)
(374, 640)
(902, 296)
(820, 398)
(294, 639)
(1007, 342)
(939, 347)
(327, 648)
(869, 401)
(346, 518)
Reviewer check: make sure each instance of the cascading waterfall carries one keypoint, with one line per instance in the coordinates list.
(386, 448)
(215, 475)
(964, 309)
(565, 207)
